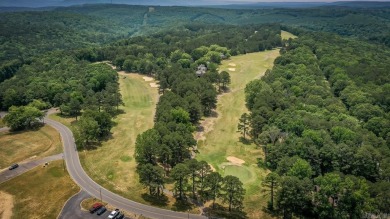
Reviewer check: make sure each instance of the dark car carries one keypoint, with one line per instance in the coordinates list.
(14, 166)
(120, 216)
(95, 207)
(101, 210)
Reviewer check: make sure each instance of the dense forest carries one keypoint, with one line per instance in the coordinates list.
(93, 25)
(321, 115)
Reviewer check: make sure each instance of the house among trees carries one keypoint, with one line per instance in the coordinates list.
(201, 70)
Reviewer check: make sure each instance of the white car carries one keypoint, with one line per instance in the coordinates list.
(113, 214)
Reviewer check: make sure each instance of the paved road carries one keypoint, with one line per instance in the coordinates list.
(91, 187)
(6, 174)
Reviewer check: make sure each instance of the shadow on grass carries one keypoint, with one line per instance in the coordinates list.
(245, 141)
(159, 201)
(90, 146)
(220, 211)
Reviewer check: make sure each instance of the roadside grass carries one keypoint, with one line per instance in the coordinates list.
(223, 139)
(18, 146)
(286, 35)
(1, 123)
(41, 192)
(86, 204)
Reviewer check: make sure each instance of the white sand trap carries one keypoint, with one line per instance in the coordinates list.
(235, 160)
(6, 205)
(148, 78)
(154, 85)
(232, 69)
(232, 64)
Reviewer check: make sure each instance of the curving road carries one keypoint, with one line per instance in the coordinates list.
(91, 187)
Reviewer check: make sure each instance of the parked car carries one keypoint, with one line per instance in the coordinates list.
(114, 214)
(13, 166)
(120, 216)
(95, 207)
(101, 210)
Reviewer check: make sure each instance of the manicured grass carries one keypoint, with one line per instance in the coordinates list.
(113, 165)
(41, 192)
(18, 146)
(242, 172)
(223, 140)
(286, 35)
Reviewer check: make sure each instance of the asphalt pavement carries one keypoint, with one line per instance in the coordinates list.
(92, 188)
(7, 174)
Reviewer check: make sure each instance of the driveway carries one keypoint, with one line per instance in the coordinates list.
(6, 174)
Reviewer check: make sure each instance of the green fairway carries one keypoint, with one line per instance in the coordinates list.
(112, 165)
(223, 139)
(286, 35)
(39, 193)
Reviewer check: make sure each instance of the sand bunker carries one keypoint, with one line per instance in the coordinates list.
(6, 205)
(232, 69)
(232, 64)
(148, 78)
(212, 168)
(154, 85)
(235, 160)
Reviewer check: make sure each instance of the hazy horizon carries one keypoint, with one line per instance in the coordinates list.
(47, 3)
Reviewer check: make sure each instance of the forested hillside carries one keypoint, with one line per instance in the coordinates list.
(321, 116)
(94, 25)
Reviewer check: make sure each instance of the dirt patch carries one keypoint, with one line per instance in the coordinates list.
(153, 85)
(232, 69)
(232, 64)
(148, 78)
(235, 160)
(6, 205)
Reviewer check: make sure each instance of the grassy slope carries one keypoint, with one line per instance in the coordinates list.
(286, 35)
(223, 139)
(15, 147)
(112, 165)
(43, 189)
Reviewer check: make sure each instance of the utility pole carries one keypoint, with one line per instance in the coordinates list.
(101, 198)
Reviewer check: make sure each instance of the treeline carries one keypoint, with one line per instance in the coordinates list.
(322, 118)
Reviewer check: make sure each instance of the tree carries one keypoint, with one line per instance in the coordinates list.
(151, 176)
(271, 182)
(180, 174)
(88, 130)
(204, 171)
(233, 192)
(74, 107)
(243, 125)
(301, 169)
(328, 187)
(224, 79)
(213, 184)
(193, 166)
(293, 197)
(22, 117)
(146, 147)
